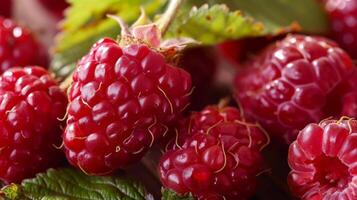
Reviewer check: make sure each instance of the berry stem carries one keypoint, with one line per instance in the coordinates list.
(166, 19)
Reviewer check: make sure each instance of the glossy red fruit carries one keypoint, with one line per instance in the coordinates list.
(31, 104)
(56, 7)
(201, 63)
(122, 100)
(323, 161)
(216, 155)
(18, 48)
(343, 18)
(5, 8)
(293, 83)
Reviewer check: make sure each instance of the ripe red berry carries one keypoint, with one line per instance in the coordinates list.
(323, 161)
(18, 48)
(5, 8)
(292, 83)
(343, 17)
(31, 103)
(216, 155)
(122, 100)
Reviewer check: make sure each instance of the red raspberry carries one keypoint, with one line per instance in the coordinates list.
(292, 84)
(122, 100)
(30, 104)
(18, 48)
(343, 17)
(5, 8)
(201, 63)
(323, 161)
(216, 156)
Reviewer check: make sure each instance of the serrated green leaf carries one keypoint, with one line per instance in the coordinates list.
(171, 195)
(69, 184)
(211, 25)
(275, 14)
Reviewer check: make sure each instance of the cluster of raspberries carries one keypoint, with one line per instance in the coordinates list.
(126, 97)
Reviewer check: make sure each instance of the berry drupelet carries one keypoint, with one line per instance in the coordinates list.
(18, 47)
(343, 19)
(31, 104)
(323, 161)
(123, 98)
(215, 155)
(292, 83)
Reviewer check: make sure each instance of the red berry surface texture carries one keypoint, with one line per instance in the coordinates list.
(122, 100)
(31, 104)
(323, 161)
(216, 155)
(292, 83)
(343, 19)
(18, 47)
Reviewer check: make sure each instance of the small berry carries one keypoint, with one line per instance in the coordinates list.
(18, 48)
(343, 17)
(216, 155)
(292, 83)
(31, 103)
(122, 100)
(323, 161)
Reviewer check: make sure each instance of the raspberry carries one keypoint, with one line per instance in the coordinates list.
(343, 17)
(323, 161)
(30, 104)
(201, 63)
(216, 155)
(5, 8)
(18, 47)
(292, 83)
(122, 100)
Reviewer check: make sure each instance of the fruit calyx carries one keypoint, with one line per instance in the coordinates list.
(143, 31)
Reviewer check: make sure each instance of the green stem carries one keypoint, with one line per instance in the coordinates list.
(166, 19)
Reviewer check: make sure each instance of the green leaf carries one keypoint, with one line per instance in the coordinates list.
(275, 14)
(211, 25)
(171, 195)
(86, 22)
(68, 184)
